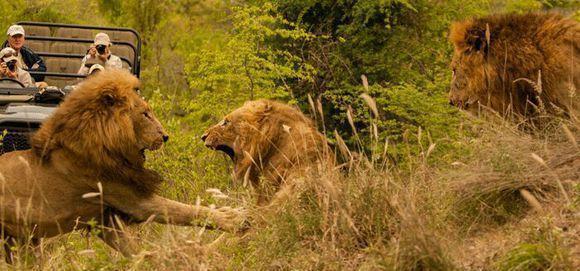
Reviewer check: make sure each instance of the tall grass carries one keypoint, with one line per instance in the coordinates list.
(364, 213)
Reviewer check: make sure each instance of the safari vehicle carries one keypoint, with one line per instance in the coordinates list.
(62, 46)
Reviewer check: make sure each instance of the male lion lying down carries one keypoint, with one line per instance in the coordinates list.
(86, 163)
(269, 143)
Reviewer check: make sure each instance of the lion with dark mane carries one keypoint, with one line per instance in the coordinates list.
(87, 163)
(269, 143)
(516, 63)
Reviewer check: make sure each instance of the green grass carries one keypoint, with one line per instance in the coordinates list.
(526, 257)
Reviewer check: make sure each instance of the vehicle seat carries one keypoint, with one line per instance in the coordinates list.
(38, 45)
(69, 48)
(34, 31)
(74, 33)
(124, 36)
(62, 65)
(124, 51)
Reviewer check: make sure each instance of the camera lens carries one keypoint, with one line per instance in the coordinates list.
(11, 65)
(101, 48)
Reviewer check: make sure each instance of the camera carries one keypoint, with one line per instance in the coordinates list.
(11, 65)
(101, 49)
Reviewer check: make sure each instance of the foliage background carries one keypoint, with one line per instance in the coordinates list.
(202, 58)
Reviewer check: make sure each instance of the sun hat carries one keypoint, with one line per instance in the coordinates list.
(8, 54)
(102, 39)
(15, 30)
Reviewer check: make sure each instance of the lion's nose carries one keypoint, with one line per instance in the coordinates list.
(203, 137)
(165, 138)
(454, 100)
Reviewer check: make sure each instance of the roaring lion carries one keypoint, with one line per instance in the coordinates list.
(87, 163)
(519, 63)
(269, 142)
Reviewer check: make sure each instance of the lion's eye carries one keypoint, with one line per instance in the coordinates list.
(146, 114)
(225, 122)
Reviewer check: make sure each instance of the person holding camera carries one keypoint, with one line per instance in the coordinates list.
(28, 60)
(100, 53)
(9, 68)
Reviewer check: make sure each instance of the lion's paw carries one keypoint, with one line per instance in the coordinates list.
(230, 219)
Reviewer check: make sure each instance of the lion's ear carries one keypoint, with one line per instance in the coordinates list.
(108, 99)
(476, 40)
(263, 109)
(468, 37)
(267, 108)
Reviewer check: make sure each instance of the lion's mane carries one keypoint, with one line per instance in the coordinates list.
(272, 141)
(498, 60)
(93, 128)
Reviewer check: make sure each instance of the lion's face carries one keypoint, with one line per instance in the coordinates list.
(148, 130)
(105, 121)
(467, 84)
(223, 136)
(240, 130)
(129, 126)
(474, 73)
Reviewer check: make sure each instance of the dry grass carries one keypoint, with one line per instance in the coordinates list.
(509, 174)
(481, 212)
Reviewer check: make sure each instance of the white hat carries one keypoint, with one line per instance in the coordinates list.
(8, 54)
(96, 67)
(15, 30)
(102, 39)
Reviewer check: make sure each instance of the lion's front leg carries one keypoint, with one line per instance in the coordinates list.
(162, 210)
(173, 212)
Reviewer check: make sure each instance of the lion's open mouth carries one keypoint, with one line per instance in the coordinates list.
(225, 148)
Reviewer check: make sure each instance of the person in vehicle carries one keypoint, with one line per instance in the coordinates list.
(9, 68)
(100, 53)
(28, 59)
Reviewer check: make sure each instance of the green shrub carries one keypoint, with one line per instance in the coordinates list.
(252, 63)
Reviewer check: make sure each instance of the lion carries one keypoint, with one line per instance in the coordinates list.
(523, 64)
(86, 164)
(269, 143)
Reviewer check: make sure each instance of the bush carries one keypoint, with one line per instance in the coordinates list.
(252, 63)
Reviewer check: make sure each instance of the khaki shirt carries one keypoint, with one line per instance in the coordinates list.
(112, 62)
